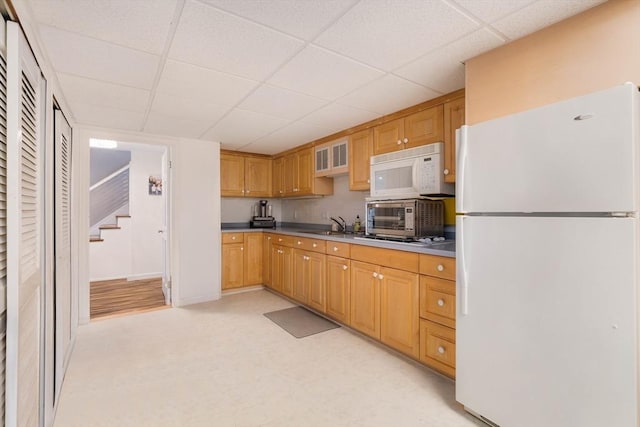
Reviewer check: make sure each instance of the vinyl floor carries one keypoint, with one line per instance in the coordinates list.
(224, 364)
(110, 298)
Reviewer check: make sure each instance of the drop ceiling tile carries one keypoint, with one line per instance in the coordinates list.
(390, 33)
(182, 107)
(490, 10)
(88, 114)
(240, 127)
(442, 70)
(281, 102)
(172, 125)
(304, 19)
(87, 57)
(79, 90)
(203, 85)
(388, 94)
(139, 24)
(541, 14)
(335, 117)
(218, 40)
(297, 133)
(323, 74)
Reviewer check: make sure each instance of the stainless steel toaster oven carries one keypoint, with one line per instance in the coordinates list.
(405, 219)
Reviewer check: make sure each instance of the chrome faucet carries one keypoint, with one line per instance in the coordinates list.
(342, 225)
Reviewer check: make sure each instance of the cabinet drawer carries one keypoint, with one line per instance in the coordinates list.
(313, 245)
(283, 240)
(438, 266)
(438, 347)
(438, 300)
(401, 260)
(232, 237)
(339, 249)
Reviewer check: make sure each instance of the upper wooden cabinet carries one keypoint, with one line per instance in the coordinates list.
(360, 152)
(245, 176)
(421, 128)
(453, 119)
(296, 176)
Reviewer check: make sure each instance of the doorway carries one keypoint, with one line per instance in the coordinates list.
(129, 243)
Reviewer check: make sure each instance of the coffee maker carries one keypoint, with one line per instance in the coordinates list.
(262, 215)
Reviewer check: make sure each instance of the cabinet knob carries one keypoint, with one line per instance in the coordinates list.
(247, 191)
(440, 302)
(335, 249)
(315, 245)
(368, 181)
(233, 237)
(405, 140)
(344, 267)
(242, 249)
(440, 267)
(399, 142)
(441, 349)
(446, 171)
(375, 274)
(280, 239)
(268, 238)
(380, 276)
(299, 242)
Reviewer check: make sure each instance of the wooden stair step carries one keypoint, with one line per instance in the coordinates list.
(95, 239)
(109, 227)
(123, 216)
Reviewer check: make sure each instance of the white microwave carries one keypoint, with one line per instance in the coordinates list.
(409, 173)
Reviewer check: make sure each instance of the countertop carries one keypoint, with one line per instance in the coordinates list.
(446, 249)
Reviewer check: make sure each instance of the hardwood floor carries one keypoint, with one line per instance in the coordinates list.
(110, 298)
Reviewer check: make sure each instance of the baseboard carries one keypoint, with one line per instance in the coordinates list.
(242, 290)
(144, 276)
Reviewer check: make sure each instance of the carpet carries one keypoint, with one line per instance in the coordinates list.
(300, 322)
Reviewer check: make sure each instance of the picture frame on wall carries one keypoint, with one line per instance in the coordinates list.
(155, 185)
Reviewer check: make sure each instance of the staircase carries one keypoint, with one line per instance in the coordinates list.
(109, 201)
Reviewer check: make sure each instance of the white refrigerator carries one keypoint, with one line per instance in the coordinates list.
(548, 264)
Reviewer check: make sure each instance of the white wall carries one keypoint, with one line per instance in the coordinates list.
(135, 250)
(343, 202)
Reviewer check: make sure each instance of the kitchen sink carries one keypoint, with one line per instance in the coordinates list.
(323, 232)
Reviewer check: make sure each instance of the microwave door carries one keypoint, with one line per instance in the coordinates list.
(394, 179)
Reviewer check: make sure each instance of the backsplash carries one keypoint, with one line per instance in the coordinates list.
(240, 209)
(343, 202)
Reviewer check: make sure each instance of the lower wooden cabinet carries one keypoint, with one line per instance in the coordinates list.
(241, 260)
(365, 298)
(438, 347)
(338, 292)
(267, 240)
(399, 305)
(317, 281)
(300, 277)
(282, 269)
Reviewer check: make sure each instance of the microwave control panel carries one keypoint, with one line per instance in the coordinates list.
(408, 219)
(429, 169)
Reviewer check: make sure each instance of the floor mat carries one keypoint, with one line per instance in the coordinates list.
(300, 322)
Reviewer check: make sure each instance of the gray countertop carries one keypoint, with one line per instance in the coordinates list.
(447, 249)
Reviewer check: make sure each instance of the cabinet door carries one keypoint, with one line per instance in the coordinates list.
(424, 127)
(277, 268)
(322, 160)
(252, 259)
(300, 276)
(266, 259)
(287, 271)
(305, 172)
(257, 177)
(278, 177)
(232, 265)
(337, 289)
(360, 152)
(231, 175)
(340, 156)
(290, 175)
(365, 298)
(399, 306)
(316, 281)
(387, 137)
(453, 119)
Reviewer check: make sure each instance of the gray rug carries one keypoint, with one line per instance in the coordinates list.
(300, 322)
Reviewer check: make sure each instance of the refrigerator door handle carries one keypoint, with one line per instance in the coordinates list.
(462, 270)
(461, 150)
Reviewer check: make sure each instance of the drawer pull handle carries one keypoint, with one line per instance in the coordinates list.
(344, 267)
(268, 238)
(280, 240)
(315, 245)
(440, 302)
(233, 237)
(440, 267)
(335, 249)
(441, 349)
(299, 242)
(375, 274)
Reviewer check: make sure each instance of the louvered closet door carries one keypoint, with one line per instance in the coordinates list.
(63, 335)
(3, 215)
(24, 243)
